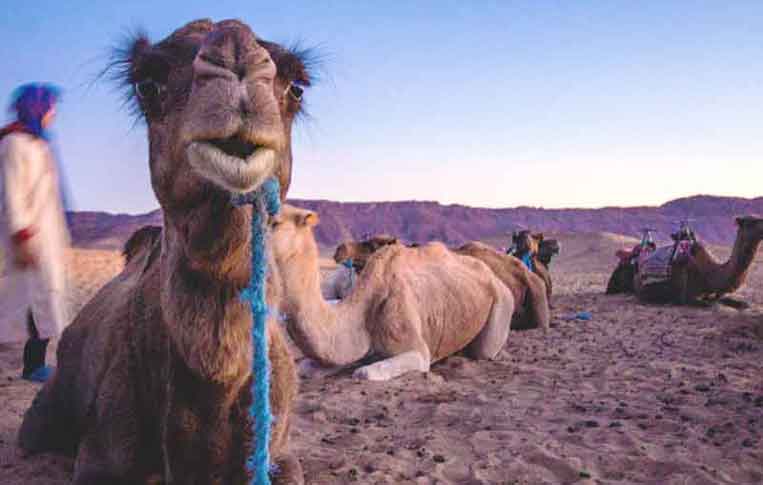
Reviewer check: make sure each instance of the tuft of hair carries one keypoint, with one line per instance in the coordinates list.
(119, 69)
(312, 71)
(144, 238)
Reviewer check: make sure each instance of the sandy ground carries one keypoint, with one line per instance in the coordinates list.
(639, 394)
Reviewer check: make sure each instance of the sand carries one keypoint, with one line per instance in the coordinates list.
(639, 394)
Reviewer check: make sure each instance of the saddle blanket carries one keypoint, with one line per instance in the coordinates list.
(656, 267)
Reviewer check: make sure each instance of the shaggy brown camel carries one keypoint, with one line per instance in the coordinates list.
(526, 242)
(359, 251)
(529, 290)
(410, 307)
(701, 277)
(352, 257)
(531, 308)
(154, 374)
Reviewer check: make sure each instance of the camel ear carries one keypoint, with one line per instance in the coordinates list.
(310, 219)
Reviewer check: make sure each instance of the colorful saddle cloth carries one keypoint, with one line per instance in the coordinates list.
(655, 267)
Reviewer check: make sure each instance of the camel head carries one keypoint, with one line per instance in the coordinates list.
(219, 104)
(360, 251)
(291, 237)
(750, 228)
(547, 249)
(525, 241)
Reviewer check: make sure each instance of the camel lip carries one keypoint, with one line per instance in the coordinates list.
(234, 146)
(231, 171)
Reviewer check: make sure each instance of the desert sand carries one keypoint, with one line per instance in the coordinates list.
(639, 394)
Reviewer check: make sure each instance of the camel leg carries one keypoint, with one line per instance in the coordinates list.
(108, 452)
(413, 360)
(312, 369)
(96, 464)
(494, 334)
(45, 426)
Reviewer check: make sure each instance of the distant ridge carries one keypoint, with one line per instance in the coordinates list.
(421, 221)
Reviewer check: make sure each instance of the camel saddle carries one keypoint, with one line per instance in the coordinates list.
(655, 266)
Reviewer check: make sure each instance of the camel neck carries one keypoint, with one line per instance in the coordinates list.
(333, 334)
(734, 271)
(205, 265)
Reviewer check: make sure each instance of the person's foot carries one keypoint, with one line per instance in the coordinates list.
(40, 374)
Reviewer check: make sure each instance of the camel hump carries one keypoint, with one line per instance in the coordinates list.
(433, 247)
(475, 246)
(144, 238)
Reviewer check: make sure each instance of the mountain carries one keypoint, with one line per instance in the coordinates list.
(418, 221)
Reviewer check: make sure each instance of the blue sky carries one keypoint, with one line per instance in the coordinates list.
(487, 103)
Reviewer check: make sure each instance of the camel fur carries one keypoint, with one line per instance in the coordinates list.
(411, 307)
(154, 374)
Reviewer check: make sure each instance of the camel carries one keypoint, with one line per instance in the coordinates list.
(525, 244)
(621, 280)
(531, 308)
(410, 307)
(699, 277)
(529, 290)
(154, 374)
(358, 252)
(352, 257)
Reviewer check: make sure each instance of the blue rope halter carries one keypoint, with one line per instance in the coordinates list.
(527, 258)
(347, 263)
(265, 201)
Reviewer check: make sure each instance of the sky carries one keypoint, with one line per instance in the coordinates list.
(484, 103)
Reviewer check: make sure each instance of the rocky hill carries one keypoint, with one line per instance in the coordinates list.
(417, 221)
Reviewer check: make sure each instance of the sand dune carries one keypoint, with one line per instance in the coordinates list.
(640, 394)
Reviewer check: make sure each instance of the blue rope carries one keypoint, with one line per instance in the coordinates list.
(347, 263)
(265, 201)
(528, 260)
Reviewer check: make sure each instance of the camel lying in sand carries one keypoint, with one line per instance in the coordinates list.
(529, 290)
(339, 283)
(410, 306)
(154, 374)
(539, 250)
(700, 277)
(531, 308)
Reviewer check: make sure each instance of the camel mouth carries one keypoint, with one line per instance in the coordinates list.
(235, 146)
(234, 164)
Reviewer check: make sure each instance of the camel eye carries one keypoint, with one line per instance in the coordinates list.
(148, 89)
(296, 92)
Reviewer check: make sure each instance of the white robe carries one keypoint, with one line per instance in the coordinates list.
(30, 197)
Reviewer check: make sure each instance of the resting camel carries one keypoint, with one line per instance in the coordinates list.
(526, 243)
(621, 280)
(531, 308)
(154, 374)
(410, 307)
(358, 252)
(700, 277)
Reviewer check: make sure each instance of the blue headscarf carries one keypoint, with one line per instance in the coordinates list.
(31, 102)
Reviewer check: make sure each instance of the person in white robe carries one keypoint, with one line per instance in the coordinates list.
(33, 232)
